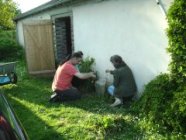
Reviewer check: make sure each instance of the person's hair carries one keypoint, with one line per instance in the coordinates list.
(117, 61)
(78, 54)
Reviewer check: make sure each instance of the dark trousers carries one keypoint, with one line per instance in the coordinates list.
(68, 95)
(129, 98)
(77, 82)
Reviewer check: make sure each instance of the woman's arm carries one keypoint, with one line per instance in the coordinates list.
(116, 81)
(109, 71)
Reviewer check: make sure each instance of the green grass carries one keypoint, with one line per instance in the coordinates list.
(90, 118)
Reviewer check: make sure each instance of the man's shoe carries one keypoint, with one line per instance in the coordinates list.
(54, 97)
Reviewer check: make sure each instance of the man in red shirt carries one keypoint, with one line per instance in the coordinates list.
(62, 86)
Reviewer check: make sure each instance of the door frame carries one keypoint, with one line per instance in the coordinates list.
(62, 15)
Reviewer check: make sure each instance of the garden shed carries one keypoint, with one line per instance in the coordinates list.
(134, 29)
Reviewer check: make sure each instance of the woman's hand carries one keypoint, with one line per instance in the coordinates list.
(107, 71)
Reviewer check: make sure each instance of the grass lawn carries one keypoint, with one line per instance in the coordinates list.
(90, 118)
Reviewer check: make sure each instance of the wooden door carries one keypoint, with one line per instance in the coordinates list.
(39, 47)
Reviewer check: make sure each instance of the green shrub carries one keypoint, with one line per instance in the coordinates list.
(161, 105)
(156, 93)
(86, 66)
(175, 114)
(9, 48)
(177, 41)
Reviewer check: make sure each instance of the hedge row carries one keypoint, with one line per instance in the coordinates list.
(177, 41)
(9, 48)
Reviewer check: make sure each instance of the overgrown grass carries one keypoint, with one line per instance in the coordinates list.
(90, 118)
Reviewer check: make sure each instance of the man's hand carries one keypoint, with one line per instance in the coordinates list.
(85, 75)
(92, 74)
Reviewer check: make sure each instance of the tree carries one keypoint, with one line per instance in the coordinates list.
(8, 10)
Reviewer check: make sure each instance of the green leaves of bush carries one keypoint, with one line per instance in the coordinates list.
(176, 112)
(162, 104)
(86, 66)
(177, 41)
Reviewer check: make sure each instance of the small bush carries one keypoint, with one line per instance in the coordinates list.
(86, 64)
(84, 67)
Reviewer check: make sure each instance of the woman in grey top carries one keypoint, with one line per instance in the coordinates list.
(124, 86)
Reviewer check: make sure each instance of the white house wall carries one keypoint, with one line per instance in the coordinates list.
(134, 29)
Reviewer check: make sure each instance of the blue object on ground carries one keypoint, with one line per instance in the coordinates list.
(111, 90)
(4, 80)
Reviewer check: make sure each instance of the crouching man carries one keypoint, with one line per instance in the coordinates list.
(62, 86)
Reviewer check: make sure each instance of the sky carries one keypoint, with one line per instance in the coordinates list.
(26, 5)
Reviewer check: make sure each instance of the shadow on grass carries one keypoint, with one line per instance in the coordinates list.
(40, 129)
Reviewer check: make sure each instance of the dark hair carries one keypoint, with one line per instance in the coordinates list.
(78, 54)
(117, 61)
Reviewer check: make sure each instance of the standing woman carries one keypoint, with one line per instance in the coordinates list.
(124, 86)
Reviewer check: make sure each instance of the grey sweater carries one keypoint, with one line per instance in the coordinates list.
(124, 82)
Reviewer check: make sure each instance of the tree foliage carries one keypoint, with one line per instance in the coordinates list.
(177, 41)
(8, 10)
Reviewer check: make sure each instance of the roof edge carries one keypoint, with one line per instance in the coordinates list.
(41, 8)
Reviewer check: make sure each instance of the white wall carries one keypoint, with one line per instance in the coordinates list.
(131, 28)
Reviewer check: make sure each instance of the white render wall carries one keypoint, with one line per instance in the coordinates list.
(134, 29)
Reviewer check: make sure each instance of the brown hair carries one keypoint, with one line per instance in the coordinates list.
(78, 54)
(117, 61)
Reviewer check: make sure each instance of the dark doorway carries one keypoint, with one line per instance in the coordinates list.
(63, 40)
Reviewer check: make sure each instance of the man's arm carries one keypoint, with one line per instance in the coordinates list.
(85, 75)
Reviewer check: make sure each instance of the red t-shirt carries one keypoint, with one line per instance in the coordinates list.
(63, 76)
